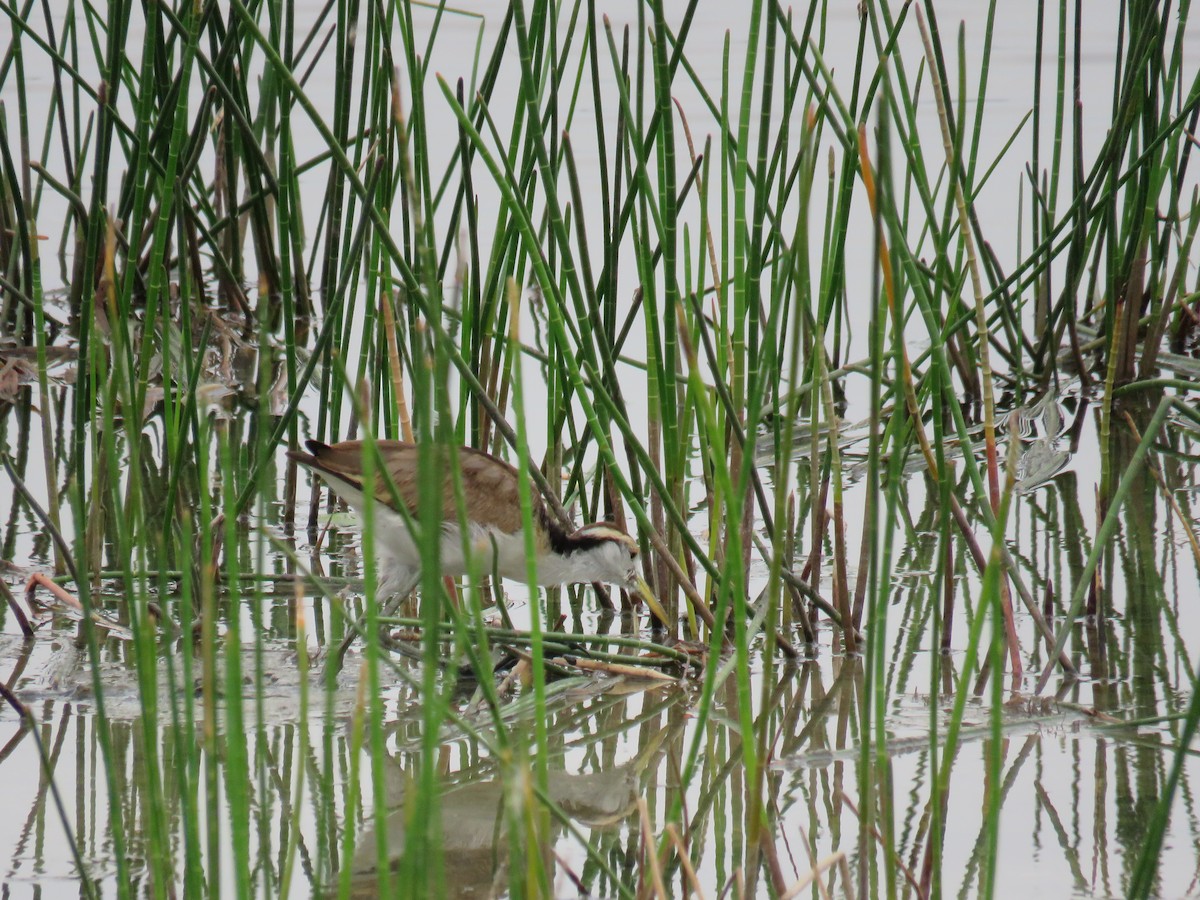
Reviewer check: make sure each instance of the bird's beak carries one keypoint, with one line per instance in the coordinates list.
(643, 590)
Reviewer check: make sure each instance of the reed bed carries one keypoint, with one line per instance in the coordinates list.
(743, 297)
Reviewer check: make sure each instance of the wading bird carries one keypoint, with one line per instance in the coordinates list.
(598, 552)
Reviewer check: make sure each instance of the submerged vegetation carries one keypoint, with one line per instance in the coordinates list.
(894, 383)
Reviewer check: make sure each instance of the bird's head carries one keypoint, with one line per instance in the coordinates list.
(612, 556)
(605, 553)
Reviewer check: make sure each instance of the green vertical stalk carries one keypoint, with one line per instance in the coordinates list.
(745, 299)
(537, 874)
(235, 763)
(372, 707)
(881, 519)
(673, 444)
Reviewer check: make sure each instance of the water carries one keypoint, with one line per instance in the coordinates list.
(1078, 789)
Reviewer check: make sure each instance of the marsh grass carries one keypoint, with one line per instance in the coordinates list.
(645, 286)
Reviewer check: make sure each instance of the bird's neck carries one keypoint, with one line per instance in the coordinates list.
(574, 560)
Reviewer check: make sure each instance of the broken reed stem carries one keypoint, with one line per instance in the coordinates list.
(512, 635)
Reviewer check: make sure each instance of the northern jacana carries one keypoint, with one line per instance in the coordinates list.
(598, 552)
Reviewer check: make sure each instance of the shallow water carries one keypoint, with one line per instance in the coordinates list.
(1078, 788)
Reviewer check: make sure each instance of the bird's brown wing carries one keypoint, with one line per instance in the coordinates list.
(492, 492)
(490, 485)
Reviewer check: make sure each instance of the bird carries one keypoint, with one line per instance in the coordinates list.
(597, 552)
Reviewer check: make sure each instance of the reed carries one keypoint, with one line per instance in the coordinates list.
(747, 296)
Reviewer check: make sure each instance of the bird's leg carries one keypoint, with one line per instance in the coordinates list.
(397, 584)
(501, 603)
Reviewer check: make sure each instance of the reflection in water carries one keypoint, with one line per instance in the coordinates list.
(1077, 794)
(612, 743)
(208, 758)
(475, 816)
